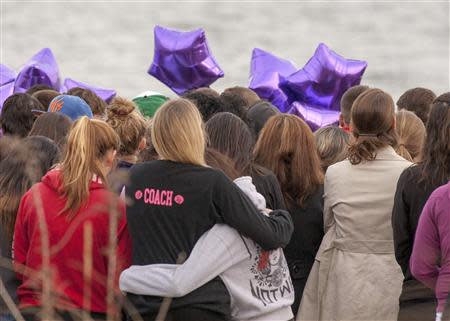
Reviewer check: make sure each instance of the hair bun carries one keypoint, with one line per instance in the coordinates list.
(121, 107)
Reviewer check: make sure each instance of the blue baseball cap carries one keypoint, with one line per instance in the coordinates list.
(72, 106)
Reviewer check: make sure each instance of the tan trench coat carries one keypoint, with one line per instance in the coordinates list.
(356, 276)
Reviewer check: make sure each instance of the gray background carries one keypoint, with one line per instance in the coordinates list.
(110, 44)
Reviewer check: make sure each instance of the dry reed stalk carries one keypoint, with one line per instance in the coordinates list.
(47, 302)
(87, 268)
(111, 314)
(165, 305)
(10, 303)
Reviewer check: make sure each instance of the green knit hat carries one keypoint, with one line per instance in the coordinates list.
(148, 102)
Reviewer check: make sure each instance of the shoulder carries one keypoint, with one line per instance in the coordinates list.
(412, 172)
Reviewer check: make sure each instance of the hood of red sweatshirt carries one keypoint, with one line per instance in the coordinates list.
(53, 180)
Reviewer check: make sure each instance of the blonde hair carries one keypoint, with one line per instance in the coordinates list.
(332, 145)
(178, 132)
(88, 142)
(124, 117)
(411, 134)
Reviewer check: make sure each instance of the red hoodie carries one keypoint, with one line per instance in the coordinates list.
(66, 244)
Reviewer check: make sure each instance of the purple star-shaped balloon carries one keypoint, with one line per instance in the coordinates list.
(182, 60)
(313, 116)
(324, 79)
(266, 73)
(104, 93)
(317, 88)
(7, 77)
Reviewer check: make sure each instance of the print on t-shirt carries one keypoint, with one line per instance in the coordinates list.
(154, 196)
(271, 279)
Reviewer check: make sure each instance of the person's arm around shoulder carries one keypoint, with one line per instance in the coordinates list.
(236, 210)
(215, 252)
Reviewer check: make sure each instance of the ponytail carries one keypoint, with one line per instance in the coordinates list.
(373, 125)
(88, 142)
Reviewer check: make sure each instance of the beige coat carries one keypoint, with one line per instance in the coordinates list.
(356, 276)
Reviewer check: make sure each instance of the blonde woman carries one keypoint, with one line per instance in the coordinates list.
(72, 196)
(176, 199)
(411, 135)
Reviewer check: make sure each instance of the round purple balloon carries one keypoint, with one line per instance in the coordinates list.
(182, 60)
(266, 73)
(40, 69)
(324, 79)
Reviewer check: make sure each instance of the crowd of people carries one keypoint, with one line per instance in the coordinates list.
(217, 206)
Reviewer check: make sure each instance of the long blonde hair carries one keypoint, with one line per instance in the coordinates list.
(178, 132)
(411, 135)
(88, 142)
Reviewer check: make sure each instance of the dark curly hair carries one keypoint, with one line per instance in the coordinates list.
(436, 150)
(373, 125)
(207, 104)
(234, 104)
(98, 105)
(17, 118)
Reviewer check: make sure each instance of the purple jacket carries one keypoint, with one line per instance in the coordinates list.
(432, 244)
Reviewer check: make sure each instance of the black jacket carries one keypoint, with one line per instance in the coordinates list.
(173, 205)
(410, 198)
(305, 242)
(7, 274)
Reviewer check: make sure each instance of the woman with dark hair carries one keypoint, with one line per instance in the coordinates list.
(355, 276)
(55, 126)
(286, 146)
(24, 165)
(16, 117)
(231, 136)
(414, 187)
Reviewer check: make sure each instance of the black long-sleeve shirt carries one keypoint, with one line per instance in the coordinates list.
(173, 204)
(410, 198)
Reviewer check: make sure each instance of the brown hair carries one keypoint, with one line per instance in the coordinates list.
(87, 144)
(124, 117)
(45, 97)
(55, 126)
(220, 161)
(27, 161)
(411, 135)
(286, 146)
(16, 117)
(347, 100)
(418, 100)
(178, 134)
(98, 105)
(230, 135)
(372, 125)
(436, 150)
(332, 145)
(248, 95)
(149, 153)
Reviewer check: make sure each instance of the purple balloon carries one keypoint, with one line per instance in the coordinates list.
(104, 93)
(266, 73)
(324, 79)
(313, 116)
(5, 91)
(40, 69)
(7, 75)
(182, 60)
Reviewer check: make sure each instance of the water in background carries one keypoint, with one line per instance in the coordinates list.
(110, 44)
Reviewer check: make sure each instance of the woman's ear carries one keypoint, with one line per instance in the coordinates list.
(394, 123)
(110, 157)
(142, 144)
